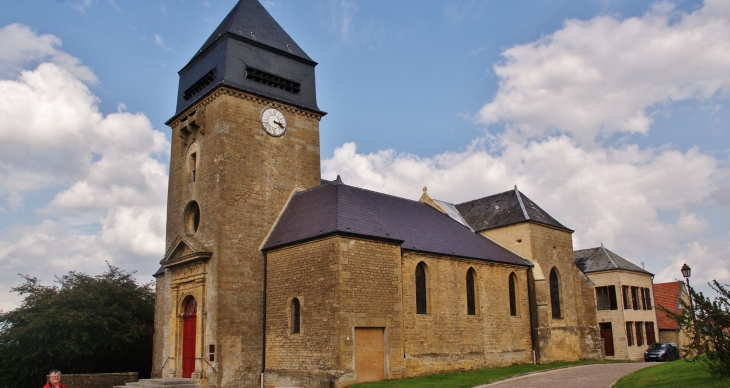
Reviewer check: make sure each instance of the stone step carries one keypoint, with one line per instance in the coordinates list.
(166, 383)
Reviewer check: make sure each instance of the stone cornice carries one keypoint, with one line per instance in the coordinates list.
(225, 90)
(197, 256)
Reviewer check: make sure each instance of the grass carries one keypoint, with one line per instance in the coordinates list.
(672, 374)
(471, 378)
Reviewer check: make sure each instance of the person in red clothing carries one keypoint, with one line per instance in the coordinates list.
(55, 379)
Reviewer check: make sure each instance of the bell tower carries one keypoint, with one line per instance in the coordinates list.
(245, 134)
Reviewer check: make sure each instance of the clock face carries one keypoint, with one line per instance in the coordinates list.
(273, 122)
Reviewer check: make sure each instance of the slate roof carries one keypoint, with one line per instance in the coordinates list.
(339, 208)
(232, 51)
(668, 296)
(250, 16)
(602, 259)
(504, 209)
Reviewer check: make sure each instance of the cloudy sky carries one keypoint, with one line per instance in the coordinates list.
(611, 115)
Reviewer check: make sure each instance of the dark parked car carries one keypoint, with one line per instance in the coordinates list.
(662, 351)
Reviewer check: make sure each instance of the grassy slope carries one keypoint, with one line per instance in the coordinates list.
(468, 378)
(672, 374)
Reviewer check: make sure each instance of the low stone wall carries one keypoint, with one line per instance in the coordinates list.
(98, 380)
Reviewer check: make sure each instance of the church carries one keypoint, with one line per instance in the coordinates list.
(274, 277)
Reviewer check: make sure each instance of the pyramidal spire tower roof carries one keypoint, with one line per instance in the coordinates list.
(250, 52)
(250, 20)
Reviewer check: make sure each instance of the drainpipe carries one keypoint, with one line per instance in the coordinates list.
(532, 304)
(263, 320)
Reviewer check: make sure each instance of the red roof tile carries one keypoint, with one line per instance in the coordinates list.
(667, 295)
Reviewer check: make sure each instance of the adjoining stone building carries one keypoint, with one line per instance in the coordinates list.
(625, 312)
(669, 295)
(272, 273)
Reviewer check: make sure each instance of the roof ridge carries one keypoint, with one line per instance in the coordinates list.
(386, 194)
(522, 205)
(609, 256)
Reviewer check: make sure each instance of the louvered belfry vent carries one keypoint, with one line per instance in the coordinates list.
(272, 80)
(199, 85)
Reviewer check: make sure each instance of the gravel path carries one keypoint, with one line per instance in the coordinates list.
(586, 376)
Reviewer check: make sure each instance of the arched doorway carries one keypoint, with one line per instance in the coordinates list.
(189, 329)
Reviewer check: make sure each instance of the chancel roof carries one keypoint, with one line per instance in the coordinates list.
(602, 259)
(504, 209)
(336, 208)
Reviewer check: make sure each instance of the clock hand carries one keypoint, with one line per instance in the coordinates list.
(278, 123)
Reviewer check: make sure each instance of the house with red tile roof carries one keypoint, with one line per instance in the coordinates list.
(669, 295)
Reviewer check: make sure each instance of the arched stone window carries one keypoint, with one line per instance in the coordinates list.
(421, 301)
(296, 318)
(471, 295)
(513, 294)
(555, 293)
(191, 218)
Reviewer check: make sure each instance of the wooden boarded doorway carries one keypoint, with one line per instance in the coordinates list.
(369, 354)
(607, 335)
(189, 331)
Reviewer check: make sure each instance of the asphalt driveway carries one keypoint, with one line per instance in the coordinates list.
(586, 376)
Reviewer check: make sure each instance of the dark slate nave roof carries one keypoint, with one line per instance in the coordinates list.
(339, 208)
(601, 259)
(504, 209)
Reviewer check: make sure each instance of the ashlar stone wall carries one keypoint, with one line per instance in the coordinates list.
(447, 338)
(575, 335)
(342, 283)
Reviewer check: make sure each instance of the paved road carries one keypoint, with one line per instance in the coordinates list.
(586, 376)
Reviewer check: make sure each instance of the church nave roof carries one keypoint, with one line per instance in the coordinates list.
(336, 208)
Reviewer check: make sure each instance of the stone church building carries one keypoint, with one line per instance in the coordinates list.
(274, 277)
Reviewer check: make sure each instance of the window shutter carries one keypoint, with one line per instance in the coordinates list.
(612, 297)
(648, 299)
(630, 333)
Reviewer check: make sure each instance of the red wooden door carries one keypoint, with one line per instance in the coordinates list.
(607, 335)
(188, 359)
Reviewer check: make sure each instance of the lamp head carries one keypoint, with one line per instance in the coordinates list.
(686, 271)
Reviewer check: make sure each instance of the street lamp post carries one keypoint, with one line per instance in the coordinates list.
(687, 272)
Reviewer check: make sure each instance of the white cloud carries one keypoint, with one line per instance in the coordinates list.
(21, 48)
(603, 76)
(104, 172)
(709, 260)
(161, 42)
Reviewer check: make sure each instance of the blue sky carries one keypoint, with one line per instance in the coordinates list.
(609, 114)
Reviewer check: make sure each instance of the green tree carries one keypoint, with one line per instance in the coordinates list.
(85, 324)
(712, 329)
